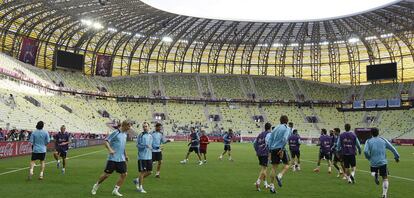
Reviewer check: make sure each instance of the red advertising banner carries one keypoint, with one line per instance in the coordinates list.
(12, 149)
(104, 66)
(28, 51)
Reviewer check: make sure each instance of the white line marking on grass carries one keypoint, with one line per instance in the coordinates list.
(393, 176)
(54, 161)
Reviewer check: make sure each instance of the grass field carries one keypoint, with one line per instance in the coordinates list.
(215, 179)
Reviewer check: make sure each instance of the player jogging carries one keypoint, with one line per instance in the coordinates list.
(337, 156)
(227, 138)
(375, 152)
(262, 152)
(294, 147)
(157, 140)
(62, 141)
(117, 157)
(144, 145)
(39, 139)
(204, 141)
(194, 146)
(277, 142)
(325, 144)
(347, 144)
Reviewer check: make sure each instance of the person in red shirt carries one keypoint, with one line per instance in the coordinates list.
(203, 145)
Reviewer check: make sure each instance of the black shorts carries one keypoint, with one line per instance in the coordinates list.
(203, 150)
(337, 157)
(275, 158)
(38, 156)
(382, 170)
(156, 156)
(349, 161)
(294, 154)
(62, 153)
(327, 156)
(144, 165)
(119, 167)
(227, 147)
(195, 149)
(263, 160)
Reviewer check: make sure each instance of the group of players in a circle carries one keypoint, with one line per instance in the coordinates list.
(269, 146)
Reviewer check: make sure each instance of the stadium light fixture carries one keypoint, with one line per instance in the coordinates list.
(262, 45)
(269, 10)
(110, 29)
(86, 22)
(339, 42)
(324, 43)
(277, 45)
(353, 40)
(127, 33)
(387, 35)
(167, 39)
(294, 44)
(139, 35)
(97, 25)
(370, 38)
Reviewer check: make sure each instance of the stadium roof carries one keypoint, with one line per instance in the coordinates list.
(142, 39)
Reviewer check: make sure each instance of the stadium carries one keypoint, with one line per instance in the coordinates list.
(84, 77)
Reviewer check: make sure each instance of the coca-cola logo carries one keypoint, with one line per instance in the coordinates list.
(25, 148)
(7, 149)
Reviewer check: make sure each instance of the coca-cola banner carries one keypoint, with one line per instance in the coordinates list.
(11, 149)
(28, 51)
(103, 66)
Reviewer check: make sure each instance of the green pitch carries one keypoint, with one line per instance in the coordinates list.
(215, 179)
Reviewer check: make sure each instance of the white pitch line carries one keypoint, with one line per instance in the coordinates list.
(393, 176)
(54, 161)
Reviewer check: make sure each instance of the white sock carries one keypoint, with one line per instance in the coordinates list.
(116, 188)
(258, 181)
(58, 161)
(280, 175)
(31, 171)
(265, 183)
(97, 183)
(353, 173)
(340, 171)
(140, 186)
(41, 174)
(373, 174)
(385, 187)
(329, 169)
(158, 173)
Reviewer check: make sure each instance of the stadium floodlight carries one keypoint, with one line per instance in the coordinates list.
(127, 33)
(182, 41)
(262, 45)
(110, 29)
(167, 39)
(353, 40)
(339, 42)
(86, 22)
(387, 35)
(277, 45)
(324, 43)
(139, 35)
(294, 44)
(97, 25)
(370, 38)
